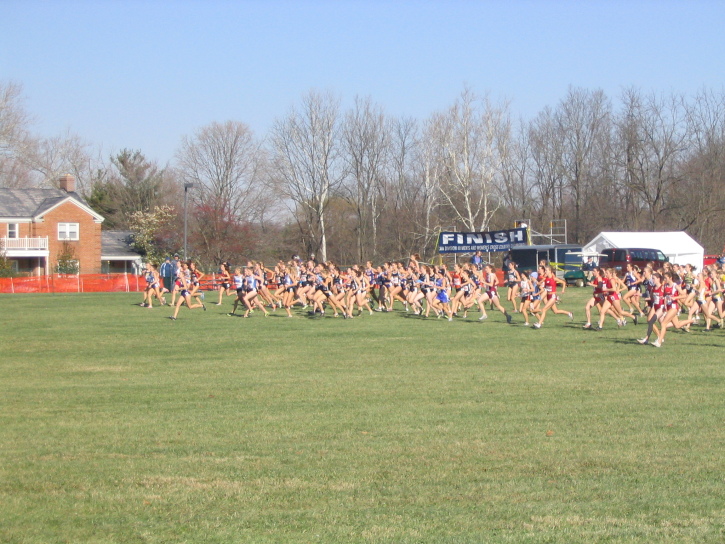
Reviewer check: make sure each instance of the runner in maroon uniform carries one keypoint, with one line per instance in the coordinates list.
(655, 303)
(489, 288)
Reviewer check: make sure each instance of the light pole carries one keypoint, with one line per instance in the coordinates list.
(187, 186)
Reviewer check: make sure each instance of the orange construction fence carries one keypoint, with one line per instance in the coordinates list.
(81, 283)
(100, 283)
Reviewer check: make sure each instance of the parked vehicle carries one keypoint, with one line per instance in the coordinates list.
(565, 258)
(619, 258)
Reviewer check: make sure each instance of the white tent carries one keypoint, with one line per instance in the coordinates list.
(678, 246)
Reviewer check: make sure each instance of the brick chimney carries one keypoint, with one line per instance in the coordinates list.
(67, 183)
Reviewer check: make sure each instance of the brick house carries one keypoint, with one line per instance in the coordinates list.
(39, 226)
(117, 253)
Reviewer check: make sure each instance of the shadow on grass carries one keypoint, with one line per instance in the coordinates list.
(694, 340)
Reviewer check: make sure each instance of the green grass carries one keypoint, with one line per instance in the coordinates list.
(117, 425)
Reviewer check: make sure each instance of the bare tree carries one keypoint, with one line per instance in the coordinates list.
(399, 198)
(548, 171)
(49, 158)
(307, 162)
(15, 139)
(26, 160)
(14, 120)
(366, 141)
(475, 140)
(431, 165)
(700, 196)
(224, 163)
(652, 138)
(518, 191)
(583, 122)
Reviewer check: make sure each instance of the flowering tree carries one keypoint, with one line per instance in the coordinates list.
(148, 228)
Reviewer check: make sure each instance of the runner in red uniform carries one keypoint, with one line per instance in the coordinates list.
(673, 294)
(549, 285)
(598, 296)
(612, 287)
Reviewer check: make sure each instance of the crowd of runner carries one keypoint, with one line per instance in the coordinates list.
(674, 296)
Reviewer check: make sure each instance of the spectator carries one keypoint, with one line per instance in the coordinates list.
(167, 274)
(477, 260)
(506, 260)
(176, 265)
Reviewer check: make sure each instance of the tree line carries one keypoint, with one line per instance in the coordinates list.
(358, 184)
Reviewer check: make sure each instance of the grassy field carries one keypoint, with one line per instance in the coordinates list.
(119, 425)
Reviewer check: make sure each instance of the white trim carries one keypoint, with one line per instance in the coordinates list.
(117, 258)
(22, 253)
(16, 220)
(96, 218)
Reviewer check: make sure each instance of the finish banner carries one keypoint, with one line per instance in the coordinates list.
(467, 242)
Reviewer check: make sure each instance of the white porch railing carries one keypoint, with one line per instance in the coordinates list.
(15, 244)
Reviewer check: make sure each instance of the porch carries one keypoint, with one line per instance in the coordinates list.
(28, 256)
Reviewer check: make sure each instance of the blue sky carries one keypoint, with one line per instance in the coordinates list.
(141, 75)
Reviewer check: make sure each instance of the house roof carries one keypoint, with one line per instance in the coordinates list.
(116, 244)
(34, 203)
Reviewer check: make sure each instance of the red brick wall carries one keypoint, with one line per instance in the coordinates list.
(23, 230)
(88, 247)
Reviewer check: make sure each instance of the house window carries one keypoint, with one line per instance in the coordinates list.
(13, 230)
(67, 231)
